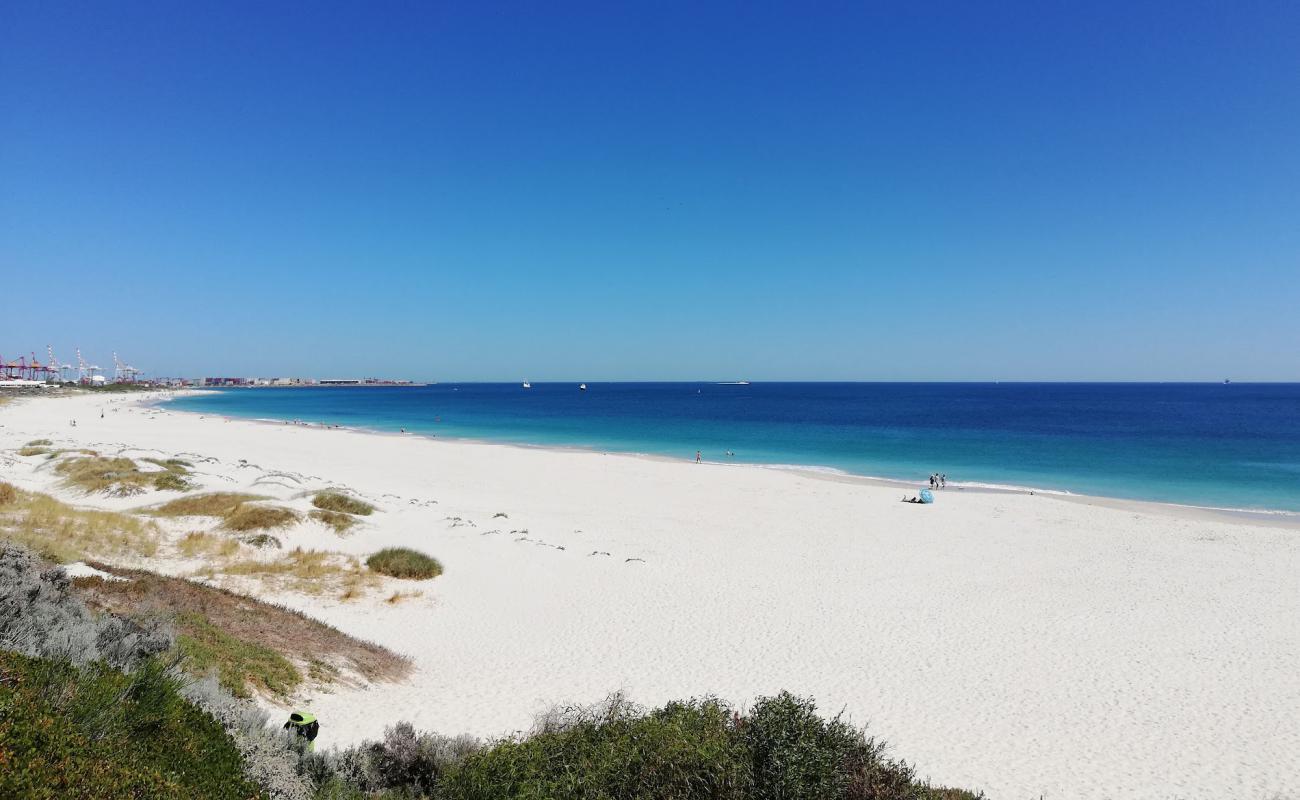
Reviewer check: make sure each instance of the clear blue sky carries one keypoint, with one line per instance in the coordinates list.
(467, 191)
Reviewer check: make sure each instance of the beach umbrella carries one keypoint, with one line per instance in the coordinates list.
(927, 496)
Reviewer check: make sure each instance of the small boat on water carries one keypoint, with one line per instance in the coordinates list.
(527, 385)
(733, 383)
(582, 387)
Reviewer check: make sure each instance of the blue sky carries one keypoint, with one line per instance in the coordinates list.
(476, 191)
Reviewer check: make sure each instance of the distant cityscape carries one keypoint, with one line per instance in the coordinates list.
(31, 372)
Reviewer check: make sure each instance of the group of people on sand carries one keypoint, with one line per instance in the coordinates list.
(938, 481)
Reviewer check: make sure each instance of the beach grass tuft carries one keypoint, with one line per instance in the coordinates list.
(403, 562)
(39, 443)
(340, 522)
(256, 518)
(213, 504)
(201, 543)
(339, 502)
(30, 450)
(8, 494)
(307, 571)
(262, 541)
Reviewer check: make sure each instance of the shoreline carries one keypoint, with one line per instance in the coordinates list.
(1281, 518)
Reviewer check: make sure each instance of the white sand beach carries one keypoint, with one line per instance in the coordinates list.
(1023, 645)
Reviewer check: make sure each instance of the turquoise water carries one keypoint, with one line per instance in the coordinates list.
(1233, 446)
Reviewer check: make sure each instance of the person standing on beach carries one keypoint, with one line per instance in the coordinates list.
(943, 480)
(697, 457)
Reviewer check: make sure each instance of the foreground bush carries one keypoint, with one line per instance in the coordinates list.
(702, 749)
(684, 750)
(39, 616)
(69, 731)
(402, 562)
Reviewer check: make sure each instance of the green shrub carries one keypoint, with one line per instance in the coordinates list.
(797, 755)
(402, 562)
(682, 751)
(336, 501)
(95, 732)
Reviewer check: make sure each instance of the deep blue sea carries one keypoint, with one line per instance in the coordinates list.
(1232, 446)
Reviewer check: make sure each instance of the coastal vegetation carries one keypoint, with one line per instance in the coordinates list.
(121, 477)
(64, 533)
(254, 646)
(94, 731)
(202, 543)
(256, 518)
(339, 502)
(306, 571)
(339, 521)
(403, 562)
(212, 504)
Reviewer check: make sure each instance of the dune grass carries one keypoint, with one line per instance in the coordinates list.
(307, 571)
(40, 443)
(236, 510)
(118, 476)
(63, 533)
(247, 641)
(339, 502)
(201, 543)
(340, 522)
(33, 451)
(259, 518)
(212, 504)
(402, 562)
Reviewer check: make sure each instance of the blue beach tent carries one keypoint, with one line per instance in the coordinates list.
(927, 496)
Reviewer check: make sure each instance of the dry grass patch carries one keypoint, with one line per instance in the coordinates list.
(33, 451)
(308, 571)
(340, 522)
(40, 443)
(117, 476)
(248, 643)
(8, 494)
(213, 504)
(199, 543)
(259, 518)
(403, 562)
(339, 502)
(63, 533)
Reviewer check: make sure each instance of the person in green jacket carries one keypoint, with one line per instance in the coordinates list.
(304, 725)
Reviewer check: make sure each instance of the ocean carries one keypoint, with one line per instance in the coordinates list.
(1227, 446)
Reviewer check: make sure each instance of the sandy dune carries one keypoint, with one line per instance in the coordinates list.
(1023, 645)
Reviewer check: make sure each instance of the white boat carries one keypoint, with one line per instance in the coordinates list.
(582, 387)
(733, 383)
(527, 385)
